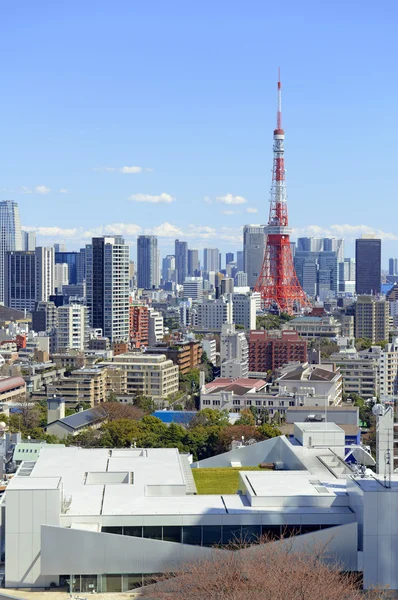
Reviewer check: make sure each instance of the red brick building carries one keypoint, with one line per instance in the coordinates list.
(269, 350)
(139, 325)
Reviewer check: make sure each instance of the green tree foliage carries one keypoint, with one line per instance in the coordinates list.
(272, 321)
(246, 417)
(146, 404)
(268, 431)
(209, 416)
(363, 343)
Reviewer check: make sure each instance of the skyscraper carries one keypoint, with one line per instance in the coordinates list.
(393, 266)
(108, 286)
(29, 241)
(229, 257)
(367, 265)
(20, 280)
(253, 252)
(147, 261)
(240, 265)
(168, 268)
(44, 273)
(211, 259)
(181, 256)
(10, 236)
(193, 262)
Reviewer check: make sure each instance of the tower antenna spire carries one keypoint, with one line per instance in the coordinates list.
(279, 114)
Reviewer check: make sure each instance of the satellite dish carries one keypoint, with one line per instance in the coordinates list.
(378, 410)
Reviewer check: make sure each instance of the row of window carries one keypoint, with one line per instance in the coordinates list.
(212, 535)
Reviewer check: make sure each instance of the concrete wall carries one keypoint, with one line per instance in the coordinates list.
(26, 511)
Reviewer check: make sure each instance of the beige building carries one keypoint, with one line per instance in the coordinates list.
(372, 318)
(93, 385)
(313, 326)
(148, 374)
(389, 371)
(360, 370)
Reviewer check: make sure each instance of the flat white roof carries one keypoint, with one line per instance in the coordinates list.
(323, 426)
(292, 483)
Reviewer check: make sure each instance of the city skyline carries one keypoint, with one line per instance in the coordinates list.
(97, 157)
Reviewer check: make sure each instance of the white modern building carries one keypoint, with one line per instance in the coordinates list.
(212, 314)
(155, 327)
(209, 346)
(193, 288)
(44, 273)
(389, 371)
(61, 276)
(73, 327)
(244, 310)
(101, 520)
(254, 240)
(234, 352)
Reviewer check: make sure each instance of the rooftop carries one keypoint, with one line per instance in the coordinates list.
(308, 373)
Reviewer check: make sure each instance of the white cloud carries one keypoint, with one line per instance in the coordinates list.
(126, 170)
(228, 212)
(162, 198)
(165, 230)
(63, 191)
(230, 199)
(42, 189)
(54, 232)
(122, 229)
(346, 231)
(25, 190)
(252, 209)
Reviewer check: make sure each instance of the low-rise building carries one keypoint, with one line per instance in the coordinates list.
(85, 385)
(360, 371)
(149, 375)
(312, 326)
(310, 381)
(12, 389)
(186, 355)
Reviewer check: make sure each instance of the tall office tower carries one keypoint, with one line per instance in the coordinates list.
(10, 236)
(393, 266)
(20, 280)
(372, 318)
(59, 247)
(61, 276)
(147, 261)
(108, 286)
(227, 285)
(309, 244)
(334, 245)
(368, 265)
(327, 274)
(29, 241)
(181, 256)
(240, 263)
(72, 259)
(234, 352)
(168, 268)
(81, 266)
(347, 275)
(193, 263)
(211, 259)
(254, 240)
(72, 330)
(240, 279)
(229, 257)
(44, 273)
(293, 248)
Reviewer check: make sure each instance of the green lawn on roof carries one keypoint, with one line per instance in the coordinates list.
(219, 480)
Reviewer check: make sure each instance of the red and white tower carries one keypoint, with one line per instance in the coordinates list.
(278, 283)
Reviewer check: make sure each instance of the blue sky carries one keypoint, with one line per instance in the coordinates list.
(186, 92)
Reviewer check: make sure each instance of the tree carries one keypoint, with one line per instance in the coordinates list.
(265, 571)
(236, 433)
(112, 411)
(268, 431)
(27, 416)
(144, 403)
(119, 434)
(246, 417)
(363, 343)
(209, 416)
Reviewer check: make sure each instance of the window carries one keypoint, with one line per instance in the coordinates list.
(115, 530)
(133, 531)
(192, 535)
(211, 535)
(153, 532)
(172, 534)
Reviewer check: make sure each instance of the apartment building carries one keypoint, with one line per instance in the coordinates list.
(372, 318)
(149, 375)
(270, 350)
(389, 371)
(314, 326)
(139, 325)
(186, 355)
(84, 385)
(360, 370)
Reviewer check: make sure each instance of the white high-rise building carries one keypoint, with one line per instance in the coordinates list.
(29, 241)
(234, 352)
(389, 371)
(193, 288)
(10, 236)
(61, 276)
(244, 310)
(254, 241)
(107, 280)
(155, 327)
(73, 327)
(44, 273)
